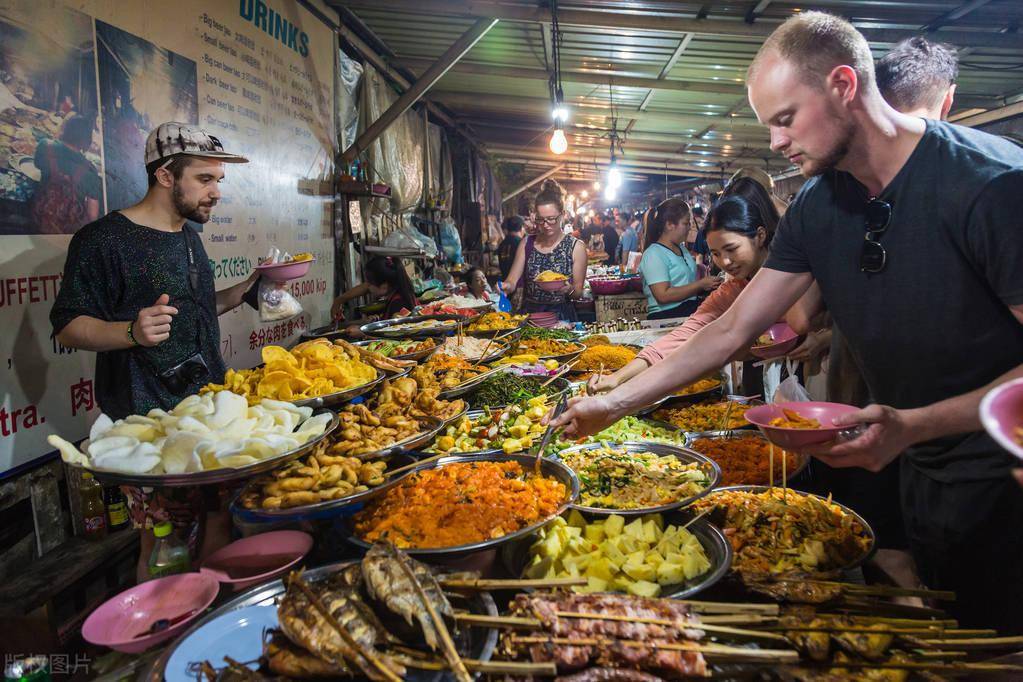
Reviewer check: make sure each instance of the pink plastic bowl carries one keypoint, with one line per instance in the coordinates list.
(609, 286)
(557, 285)
(118, 622)
(283, 272)
(257, 559)
(794, 439)
(784, 339)
(1001, 413)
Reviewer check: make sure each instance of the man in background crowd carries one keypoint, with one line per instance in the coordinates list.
(918, 78)
(512, 228)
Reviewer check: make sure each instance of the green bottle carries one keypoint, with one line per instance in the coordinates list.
(170, 555)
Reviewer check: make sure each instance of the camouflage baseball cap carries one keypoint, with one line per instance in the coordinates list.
(172, 138)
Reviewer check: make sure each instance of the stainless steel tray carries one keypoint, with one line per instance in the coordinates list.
(383, 329)
(867, 530)
(496, 351)
(736, 399)
(223, 475)
(472, 642)
(802, 460)
(684, 455)
(548, 467)
(344, 396)
(471, 415)
(562, 358)
(515, 556)
(687, 399)
(417, 356)
(319, 510)
(508, 334)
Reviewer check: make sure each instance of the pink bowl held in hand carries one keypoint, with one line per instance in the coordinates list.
(783, 339)
(1001, 413)
(794, 439)
(258, 558)
(284, 272)
(121, 623)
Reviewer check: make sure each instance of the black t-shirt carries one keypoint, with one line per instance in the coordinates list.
(935, 322)
(115, 268)
(506, 254)
(610, 244)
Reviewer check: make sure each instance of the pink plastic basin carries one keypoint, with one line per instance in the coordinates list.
(283, 272)
(784, 339)
(119, 622)
(556, 285)
(257, 559)
(794, 439)
(1001, 413)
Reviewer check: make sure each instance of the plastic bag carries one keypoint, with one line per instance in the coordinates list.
(275, 303)
(789, 390)
(408, 237)
(450, 241)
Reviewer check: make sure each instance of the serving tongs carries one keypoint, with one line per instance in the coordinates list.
(546, 438)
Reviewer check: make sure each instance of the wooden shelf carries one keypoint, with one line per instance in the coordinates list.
(353, 189)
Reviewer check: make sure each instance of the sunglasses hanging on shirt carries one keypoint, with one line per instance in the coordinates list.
(873, 256)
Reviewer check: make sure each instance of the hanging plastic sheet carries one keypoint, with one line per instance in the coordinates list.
(396, 156)
(440, 168)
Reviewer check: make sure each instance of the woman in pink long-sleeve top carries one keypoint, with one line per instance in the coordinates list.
(739, 231)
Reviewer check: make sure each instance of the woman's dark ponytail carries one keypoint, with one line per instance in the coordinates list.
(389, 270)
(670, 211)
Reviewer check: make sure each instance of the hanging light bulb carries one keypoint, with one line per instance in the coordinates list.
(559, 112)
(596, 185)
(611, 193)
(559, 143)
(614, 176)
(584, 194)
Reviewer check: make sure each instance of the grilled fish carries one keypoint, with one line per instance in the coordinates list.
(285, 658)
(305, 626)
(385, 572)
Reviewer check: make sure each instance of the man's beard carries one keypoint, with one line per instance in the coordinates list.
(189, 211)
(815, 166)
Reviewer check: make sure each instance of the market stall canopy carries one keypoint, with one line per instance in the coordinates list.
(676, 70)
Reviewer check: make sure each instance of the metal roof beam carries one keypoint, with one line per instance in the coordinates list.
(457, 50)
(540, 178)
(954, 15)
(666, 69)
(661, 23)
(590, 77)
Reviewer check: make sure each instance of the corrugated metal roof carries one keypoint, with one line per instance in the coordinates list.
(499, 89)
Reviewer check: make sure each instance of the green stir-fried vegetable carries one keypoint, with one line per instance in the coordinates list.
(507, 389)
(529, 333)
(625, 429)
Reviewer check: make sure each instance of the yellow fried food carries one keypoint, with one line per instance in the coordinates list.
(496, 321)
(550, 276)
(318, 477)
(311, 369)
(794, 420)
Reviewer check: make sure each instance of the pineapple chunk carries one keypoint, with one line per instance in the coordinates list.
(601, 568)
(634, 529)
(640, 571)
(595, 584)
(613, 525)
(643, 588)
(575, 519)
(651, 533)
(594, 533)
(669, 573)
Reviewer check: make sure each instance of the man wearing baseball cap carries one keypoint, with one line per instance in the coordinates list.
(138, 290)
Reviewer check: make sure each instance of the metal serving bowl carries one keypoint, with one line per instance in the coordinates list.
(515, 556)
(684, 455)
(553, 391)
(469, 384)
(867, 530)
(327, 508)
(472, 642)
(339, 397)
(548, 467)
(417, 356)
(222, 475)
(384, 329)
(802, 460)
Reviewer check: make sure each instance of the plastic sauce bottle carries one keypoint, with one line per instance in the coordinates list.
(170, 555)
(117, 508)
(94, 513)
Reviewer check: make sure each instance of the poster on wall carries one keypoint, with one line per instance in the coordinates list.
(81, 85)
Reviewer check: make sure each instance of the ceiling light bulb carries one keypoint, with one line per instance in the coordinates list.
(584, 194)
(559, 144)
(559, 113)
(614, 177)
(596, 185)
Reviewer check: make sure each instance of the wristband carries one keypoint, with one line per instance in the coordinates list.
(131, 337)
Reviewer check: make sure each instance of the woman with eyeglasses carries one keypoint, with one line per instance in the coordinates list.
(739, 232)
(549, 248)
(670, 279)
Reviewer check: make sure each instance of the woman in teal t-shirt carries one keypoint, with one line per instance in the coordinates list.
(669, 271)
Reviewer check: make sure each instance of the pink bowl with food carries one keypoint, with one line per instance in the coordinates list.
(1001, 413)
(783, 339)
(796, 438)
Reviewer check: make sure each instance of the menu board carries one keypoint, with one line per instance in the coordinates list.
(82, 83)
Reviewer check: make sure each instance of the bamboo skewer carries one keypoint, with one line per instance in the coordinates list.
(364, 652)
(912, 665)
(509, 622)
(697, 517)
(487, 667)
(399, 470)
(716, 651)
(984, 643)
(513, 584)
(730, 608)
(693, 625)
(562, 372)
(450, 650)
